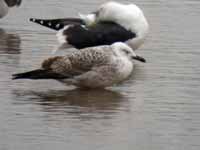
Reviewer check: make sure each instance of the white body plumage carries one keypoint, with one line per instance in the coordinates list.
(118, 68)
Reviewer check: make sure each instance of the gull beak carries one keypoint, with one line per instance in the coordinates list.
(139, 58)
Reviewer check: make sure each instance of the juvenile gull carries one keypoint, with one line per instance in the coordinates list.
(112, 22)
(6, 4)
(95, 67)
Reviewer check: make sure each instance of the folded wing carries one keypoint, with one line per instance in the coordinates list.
(63, 67)
(102, 33)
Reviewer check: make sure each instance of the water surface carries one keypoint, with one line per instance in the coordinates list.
(157, 108)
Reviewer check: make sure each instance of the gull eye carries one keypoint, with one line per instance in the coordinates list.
(126, 52)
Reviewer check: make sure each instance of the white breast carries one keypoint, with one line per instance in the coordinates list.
(125, 68)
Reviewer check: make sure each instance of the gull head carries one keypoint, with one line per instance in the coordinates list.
(122, 50)
(89, 19)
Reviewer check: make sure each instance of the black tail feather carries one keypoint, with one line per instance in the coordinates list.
(38, 74)
(57, 24)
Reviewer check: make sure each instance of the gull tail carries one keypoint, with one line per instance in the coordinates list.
(52, 24)
(57, 24)
(39, 74)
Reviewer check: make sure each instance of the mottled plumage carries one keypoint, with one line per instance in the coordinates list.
(93, 67)
(79, 62)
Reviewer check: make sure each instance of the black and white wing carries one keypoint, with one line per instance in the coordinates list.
(101, 33)
(57, 24)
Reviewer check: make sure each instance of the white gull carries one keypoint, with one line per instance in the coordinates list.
(112, 22)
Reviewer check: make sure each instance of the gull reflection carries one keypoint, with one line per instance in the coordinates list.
(9, 43)
(76, 102)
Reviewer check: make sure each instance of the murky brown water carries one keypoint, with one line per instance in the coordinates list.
(158, 108)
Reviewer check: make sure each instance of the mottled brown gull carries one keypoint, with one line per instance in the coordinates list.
(94, 67)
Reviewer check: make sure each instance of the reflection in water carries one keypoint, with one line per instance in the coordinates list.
(75, 102)
(9, 43)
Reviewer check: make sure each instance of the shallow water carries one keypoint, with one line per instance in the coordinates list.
(157, 108)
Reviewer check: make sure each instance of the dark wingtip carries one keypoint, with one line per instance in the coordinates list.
(15, 76)
(31, 19)
(39, 74)
(19, 76)
(27, 75)
(52, 24)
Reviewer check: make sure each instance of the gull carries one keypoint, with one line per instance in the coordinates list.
(112, 22)
(94, 67)
(6, 4)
